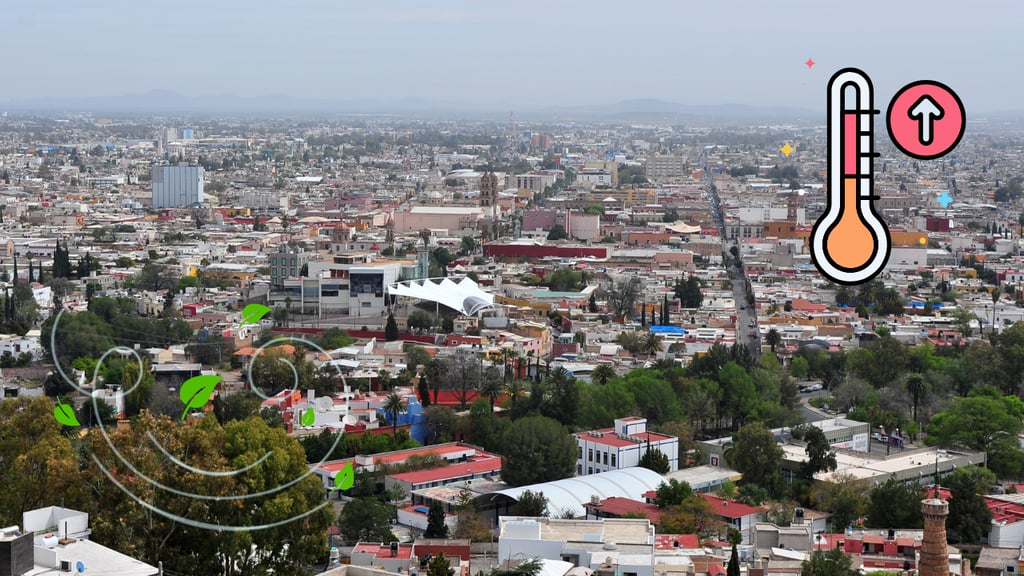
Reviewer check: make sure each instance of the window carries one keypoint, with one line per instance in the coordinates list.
(590, 470)
(613, 459)
(590, 455)
(579, 469)
(273, 261)
(293, 261)
(581, 453)
(605, 458)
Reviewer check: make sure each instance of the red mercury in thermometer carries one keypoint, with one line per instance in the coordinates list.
(850, 242)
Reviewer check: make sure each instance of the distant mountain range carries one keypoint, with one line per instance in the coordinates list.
(169, 102)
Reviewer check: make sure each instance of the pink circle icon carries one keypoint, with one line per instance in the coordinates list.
(926, 119)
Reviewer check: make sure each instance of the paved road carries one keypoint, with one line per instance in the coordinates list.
(746, 315)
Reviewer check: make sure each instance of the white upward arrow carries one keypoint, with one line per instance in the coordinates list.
(927, 111)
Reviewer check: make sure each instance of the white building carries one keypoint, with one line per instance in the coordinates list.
(177, 186)
(36, 548)
(622, 447)
(625, 546)
(353, 288)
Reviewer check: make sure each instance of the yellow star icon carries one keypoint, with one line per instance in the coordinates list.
(787, 149)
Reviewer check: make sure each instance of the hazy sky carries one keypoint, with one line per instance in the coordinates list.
(519, 53)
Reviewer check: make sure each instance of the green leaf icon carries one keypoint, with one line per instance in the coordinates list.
(308, 417)
(252, 313)
(345, 478)
(65, 415)
(196, 391)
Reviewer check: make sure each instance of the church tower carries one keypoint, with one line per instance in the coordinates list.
(489, 194)
(934, 557)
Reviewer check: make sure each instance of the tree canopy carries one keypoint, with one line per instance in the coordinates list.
(537, 449)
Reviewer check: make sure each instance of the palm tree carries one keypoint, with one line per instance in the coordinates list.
(393, 406)
(917, 387)
(602, 374)
(650, 344)
(383, 378)
(492, 387)
(505, 354)
(406, 376)
(513, 362)
(773, 338)
(664, 364)
(514, 389)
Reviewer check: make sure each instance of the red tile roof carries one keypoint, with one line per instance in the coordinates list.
(455, 470)
(609, 438)
(383, 551)
(616, 506)
(664, 541)
(729, 508)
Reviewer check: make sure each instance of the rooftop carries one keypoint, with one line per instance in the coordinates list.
(478, 465)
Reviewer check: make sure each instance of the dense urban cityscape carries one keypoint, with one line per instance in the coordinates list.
(449, 311)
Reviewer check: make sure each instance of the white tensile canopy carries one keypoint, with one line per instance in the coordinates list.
(464, 296)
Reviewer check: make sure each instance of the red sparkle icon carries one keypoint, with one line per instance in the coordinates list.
(810, 63)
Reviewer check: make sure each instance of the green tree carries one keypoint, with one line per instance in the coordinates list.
(565, 279)
(798, 367)
(656, 460)
(491, 386)
(563, 398)
(896, 504)
(672, 493)
(538, 449)
(436, 528)
(757, 456)
(773, 338)
(38, 467)
(122, 524)
(689, 292)
(734, 562)
(132, 374)
(819, 457)
(367, 518)
(651, 344)
(557, 232)
(833, 562)
(439, 566)
(979, 422)
(917, 387)
(334, 338)
(843, 496)
(468, 245)
(421, 320)
(969, 517)
(394, 405)
(601, 405)
(602, 373)
(391, 329)
(532, 503)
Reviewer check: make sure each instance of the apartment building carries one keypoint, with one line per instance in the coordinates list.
(622, 447)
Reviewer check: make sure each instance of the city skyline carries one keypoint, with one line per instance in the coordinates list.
(524, 56)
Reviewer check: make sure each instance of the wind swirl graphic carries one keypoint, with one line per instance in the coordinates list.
(178, 461)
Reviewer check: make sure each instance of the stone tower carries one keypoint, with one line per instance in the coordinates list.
(934, 558)
(489, 192)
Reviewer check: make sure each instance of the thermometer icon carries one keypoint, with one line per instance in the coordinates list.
(850, 242)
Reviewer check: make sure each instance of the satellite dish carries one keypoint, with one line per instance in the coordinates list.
(350, 420)
(323, 404)
(80, 566)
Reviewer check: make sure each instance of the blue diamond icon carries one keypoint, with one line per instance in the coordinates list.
(945, 199)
